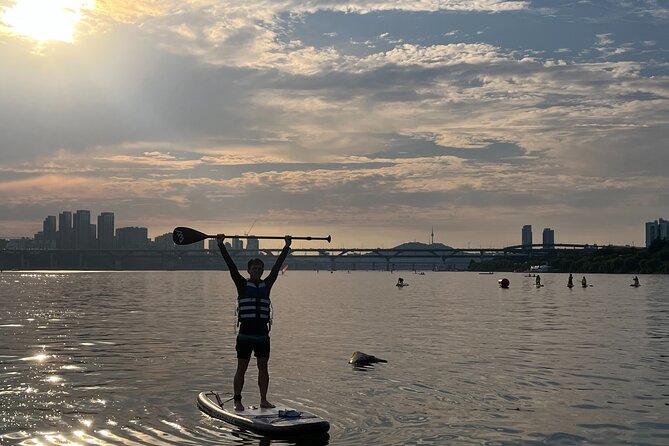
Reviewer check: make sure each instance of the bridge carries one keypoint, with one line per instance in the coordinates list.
(299, 258)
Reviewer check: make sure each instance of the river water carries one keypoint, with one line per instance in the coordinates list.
(119, 357)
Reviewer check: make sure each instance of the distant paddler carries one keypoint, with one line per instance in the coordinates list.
(636, 282)
(400, 283)
(570, 281)
(584, 282)
(537, 281)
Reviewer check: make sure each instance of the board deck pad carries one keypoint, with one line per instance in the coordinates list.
(281, 420)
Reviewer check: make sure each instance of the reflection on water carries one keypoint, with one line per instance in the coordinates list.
(119, 358)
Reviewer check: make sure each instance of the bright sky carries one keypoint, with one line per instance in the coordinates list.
(372, 121)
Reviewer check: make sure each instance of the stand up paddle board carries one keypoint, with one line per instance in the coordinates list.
(279, 421)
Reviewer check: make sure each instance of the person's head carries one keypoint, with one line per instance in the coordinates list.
(255, 268)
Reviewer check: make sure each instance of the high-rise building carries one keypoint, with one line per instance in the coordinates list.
(132, 238)
(65, 235)
(92, 237)
(106, 230)
(81, 226)
(237, 243)
(164, 241)
(548, 238)
(527, 236)
(252, 245)
(49, 232)
(657, 230)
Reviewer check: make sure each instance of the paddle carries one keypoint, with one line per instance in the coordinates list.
(186, 236)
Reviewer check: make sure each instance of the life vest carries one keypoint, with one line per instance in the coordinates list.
(254, 304)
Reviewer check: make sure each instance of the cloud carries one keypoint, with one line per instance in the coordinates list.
(47, 188)
(152, 160)
(249, 34)
(432, 56)
(604, 39)
(209, 109)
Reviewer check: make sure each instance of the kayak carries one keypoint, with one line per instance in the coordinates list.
(282, 420)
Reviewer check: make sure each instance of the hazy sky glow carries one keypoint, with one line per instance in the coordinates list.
(371, 120)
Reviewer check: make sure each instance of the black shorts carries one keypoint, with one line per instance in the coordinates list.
(252, 343)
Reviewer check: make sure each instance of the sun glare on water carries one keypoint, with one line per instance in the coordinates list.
(44, 20)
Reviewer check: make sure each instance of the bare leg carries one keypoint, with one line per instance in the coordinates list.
(238, 383)
(263, 382)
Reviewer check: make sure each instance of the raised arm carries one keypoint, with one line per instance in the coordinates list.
(234, 272)
(279, 261)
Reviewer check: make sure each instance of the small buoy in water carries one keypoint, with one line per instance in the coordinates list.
(503, 283)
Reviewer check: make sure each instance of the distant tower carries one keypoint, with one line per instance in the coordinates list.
(49, 231)
(134, 238)
(106, 230)
(237, 244)
(81, 223)
(432, 236)
(656, 230)
(252, 245)
(527, 236)
(548, 238)
(65, 234)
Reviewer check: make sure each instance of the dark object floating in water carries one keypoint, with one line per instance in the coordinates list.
(360, 358)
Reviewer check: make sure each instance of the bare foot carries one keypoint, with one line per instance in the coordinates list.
(267, 405)
(239, 406)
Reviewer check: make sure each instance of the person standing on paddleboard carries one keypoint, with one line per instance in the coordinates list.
(253, 319)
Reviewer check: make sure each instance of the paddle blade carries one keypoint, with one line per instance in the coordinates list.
(186, 236)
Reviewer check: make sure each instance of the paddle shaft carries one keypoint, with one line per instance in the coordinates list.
(186, 236)
(272, 237)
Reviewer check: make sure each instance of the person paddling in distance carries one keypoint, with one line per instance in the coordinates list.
(537, 281)
(636, 281)
(254, 319)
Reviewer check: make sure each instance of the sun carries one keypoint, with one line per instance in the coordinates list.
(44, 20)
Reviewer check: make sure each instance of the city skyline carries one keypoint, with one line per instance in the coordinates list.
(369, 121)
(75, 231)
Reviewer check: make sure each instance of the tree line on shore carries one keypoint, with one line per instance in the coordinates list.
(609, 260)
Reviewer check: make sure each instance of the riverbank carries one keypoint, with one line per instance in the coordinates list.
(652, 260)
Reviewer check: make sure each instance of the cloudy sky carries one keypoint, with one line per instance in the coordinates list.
(372, 120)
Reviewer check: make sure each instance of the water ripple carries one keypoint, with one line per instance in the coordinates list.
(118, 358)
